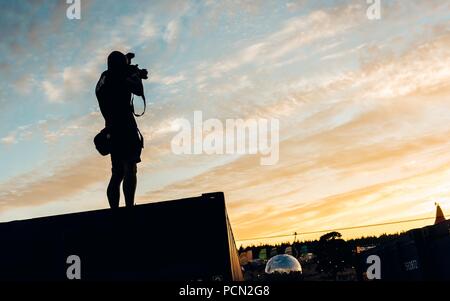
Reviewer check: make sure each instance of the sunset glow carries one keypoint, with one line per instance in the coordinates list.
(363, 108)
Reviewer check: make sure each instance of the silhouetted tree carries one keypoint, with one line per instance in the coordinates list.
(333, 254)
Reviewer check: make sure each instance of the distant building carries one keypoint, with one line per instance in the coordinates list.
(263, 254)
(419, 254)
(360, 249)
(439, 215)
(245, 257)
(288, 250)
(273, 252)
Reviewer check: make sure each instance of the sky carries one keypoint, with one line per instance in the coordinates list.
(363, 107)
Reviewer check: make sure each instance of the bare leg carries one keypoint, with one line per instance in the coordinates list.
(113, 191)
(129, 183)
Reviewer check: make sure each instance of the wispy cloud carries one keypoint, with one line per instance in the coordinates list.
(66, 180)
(292, 36)
(363, 107)
(10, 139)
(171, 32)
(52, 92)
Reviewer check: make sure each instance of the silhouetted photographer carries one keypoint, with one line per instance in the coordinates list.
(121, 137)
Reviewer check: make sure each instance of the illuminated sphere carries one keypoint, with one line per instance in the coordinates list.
(283, 264)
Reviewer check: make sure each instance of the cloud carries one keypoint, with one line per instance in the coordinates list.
(53, 93)
(337, 55)
(425, 67)
(147, 29)
(171, 32)
(19, 134)
(364, 136)
(296, 5)
(167, 80)
(382, 148)
(25, 84)
(52, 130)
(67, 180)
(292, 36)
(10, 139)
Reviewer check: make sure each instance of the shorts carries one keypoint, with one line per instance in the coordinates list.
(126, 146)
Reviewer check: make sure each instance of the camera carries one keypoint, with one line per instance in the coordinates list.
(134, 69)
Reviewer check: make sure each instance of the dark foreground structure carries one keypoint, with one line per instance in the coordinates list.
(187, 239)
(419, 254)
